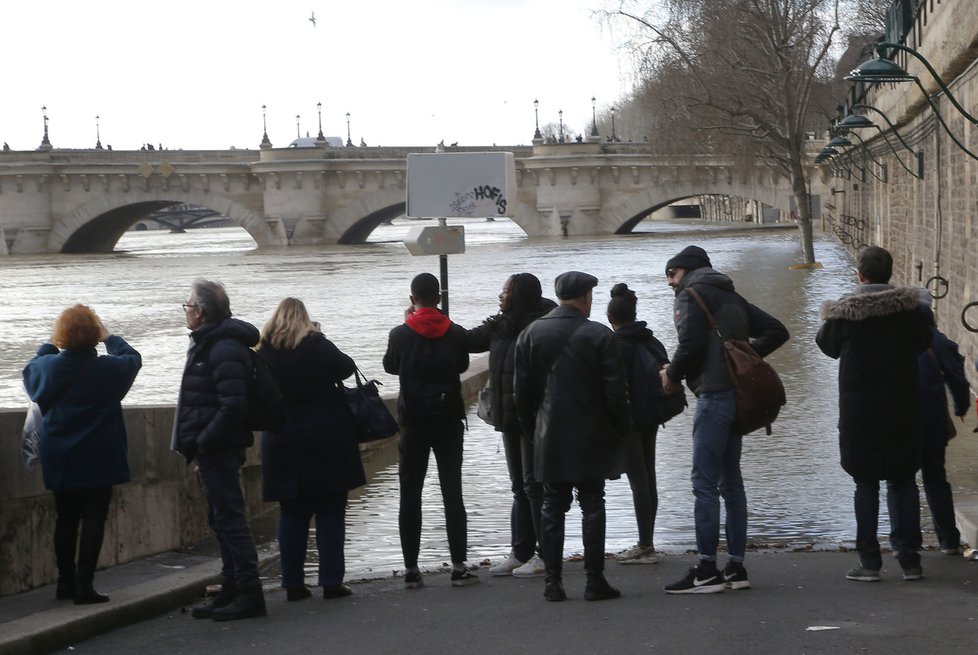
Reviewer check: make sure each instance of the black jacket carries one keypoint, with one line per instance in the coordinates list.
(316, 451)
(428, 354)
(699, 353)
(213, 404)
(941, 366)
(571, 397)
(498, 335)
(876, 335)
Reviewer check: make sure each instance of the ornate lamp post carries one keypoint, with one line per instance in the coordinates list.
(45, 142)
(349, 141)
(536, 118)
(298, 134)
(614, 135)
(594, 118)
(265, 143)
(98, 135)
(560, 115)
(319, 109)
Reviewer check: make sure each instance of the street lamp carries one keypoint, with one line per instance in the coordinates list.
(536, 120)
(265, 143)
(349, 141)
(857, 121)
(98, 135)
(560, 114)
(614, 135)
(319, 110)
(45, 142)
(594, 117)
(298, 134)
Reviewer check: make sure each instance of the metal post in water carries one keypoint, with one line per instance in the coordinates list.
(443, 270)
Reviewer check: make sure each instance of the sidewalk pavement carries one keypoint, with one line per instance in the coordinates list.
(800, 603)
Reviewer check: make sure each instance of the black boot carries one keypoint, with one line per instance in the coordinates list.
(65, 589)
(599, 589)
(248, 603)
(554, 590)
(85, 594)
(222, 599)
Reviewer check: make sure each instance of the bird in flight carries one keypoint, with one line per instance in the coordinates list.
(312, 19)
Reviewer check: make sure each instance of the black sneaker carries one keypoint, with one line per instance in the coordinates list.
(413, 580)
(698, 580)
(464, 578)
(735, 576)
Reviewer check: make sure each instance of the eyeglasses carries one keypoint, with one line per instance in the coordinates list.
(187, 306)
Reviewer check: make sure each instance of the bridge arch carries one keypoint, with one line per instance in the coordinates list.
(354, 222)
(97, 225)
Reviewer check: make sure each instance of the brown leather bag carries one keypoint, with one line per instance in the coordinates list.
(757, 386)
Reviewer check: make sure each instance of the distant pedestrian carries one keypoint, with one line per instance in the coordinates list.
(83, 444)
(211, 430)
(639, 442)
(876, 333)
(940, 366)
(427, 353)
(520, 303)
(572, 400)
(716, 444)
(312, 462)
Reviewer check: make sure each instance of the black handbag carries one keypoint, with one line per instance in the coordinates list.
(371, 418)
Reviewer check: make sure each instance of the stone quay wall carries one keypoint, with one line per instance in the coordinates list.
(163, 507)
(930, 225)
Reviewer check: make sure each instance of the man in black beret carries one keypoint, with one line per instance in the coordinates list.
(572, 402)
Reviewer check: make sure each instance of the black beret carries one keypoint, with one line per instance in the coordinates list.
(690, 258)
(574, 284)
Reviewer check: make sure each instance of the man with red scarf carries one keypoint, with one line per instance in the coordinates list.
(428, 353)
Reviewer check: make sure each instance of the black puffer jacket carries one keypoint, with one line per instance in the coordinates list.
(572, 397)
(699, 354)
(213, 405)
(498, 335)
(876, 335)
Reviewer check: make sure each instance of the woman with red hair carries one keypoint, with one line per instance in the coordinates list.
(84, 451)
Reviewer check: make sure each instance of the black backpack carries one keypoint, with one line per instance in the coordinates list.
(651, 405)
(266, 404)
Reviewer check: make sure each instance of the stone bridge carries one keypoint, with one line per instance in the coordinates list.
(84, 200)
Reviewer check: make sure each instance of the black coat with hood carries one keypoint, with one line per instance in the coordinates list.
(940, 367)
(213, 405)
(876, 334)
(699, 355)
(427, 353)
(498, 335)
(572, 397)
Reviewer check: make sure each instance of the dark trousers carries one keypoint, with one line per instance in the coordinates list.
(903, 503)
(938, 493)
(527, 496)
(640, 469)
(219, 473)
(557, 497)
(87, 508)
(414, 447)
(293, 538)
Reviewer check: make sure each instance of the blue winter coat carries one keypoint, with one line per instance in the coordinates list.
(212, 411)
(83, 442)
(316, 451)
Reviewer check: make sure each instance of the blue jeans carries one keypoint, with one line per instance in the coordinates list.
(293, 537)
(716, 473)
(903, 504)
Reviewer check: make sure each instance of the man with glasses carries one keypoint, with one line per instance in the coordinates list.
(211, 430)
(716, 444)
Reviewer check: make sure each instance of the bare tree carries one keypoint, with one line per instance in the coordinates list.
(744, 71)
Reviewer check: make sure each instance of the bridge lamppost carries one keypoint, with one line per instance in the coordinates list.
(98, 135)
(319, 110)
(265, 143)
(536, 118)
(45, 142)
(298, 134)
(349, 141)
(594, 117)
(560, 115)
(614, 136)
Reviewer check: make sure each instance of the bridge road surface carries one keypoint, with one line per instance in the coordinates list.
(800, 603)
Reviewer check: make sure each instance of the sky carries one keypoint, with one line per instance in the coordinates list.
(195, 74)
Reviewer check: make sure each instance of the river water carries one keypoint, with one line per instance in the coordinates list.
(797, 493)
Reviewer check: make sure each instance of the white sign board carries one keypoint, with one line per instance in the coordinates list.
(461, 185)
(435, 240)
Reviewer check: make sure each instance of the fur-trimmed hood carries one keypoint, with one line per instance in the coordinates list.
(871, 301)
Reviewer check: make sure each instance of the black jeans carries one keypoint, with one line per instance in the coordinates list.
(557, 497)
(527, 496)
(219, 473)
(938, 493)
(903, 503)
(293, 537)
(640, 469)
(414, 447)
(88, 508)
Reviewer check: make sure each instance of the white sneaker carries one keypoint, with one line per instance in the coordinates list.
(505, 567)
(637, 555)
(532, 569)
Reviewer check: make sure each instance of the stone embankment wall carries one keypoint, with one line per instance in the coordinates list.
(930, 225)
(162, 509)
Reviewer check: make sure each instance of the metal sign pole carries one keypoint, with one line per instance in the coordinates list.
(443, 269)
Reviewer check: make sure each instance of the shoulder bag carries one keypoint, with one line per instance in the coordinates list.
(372, 420)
